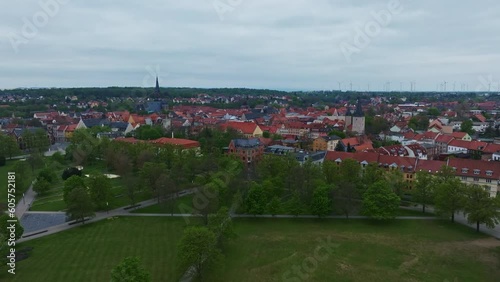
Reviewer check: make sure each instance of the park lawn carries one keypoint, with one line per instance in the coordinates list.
(89, 252)
(405, 212)
(403, 250)
(182, 205)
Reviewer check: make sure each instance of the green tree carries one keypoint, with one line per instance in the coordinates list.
(467, 127)
(274, 206)
(481, 208)
(130, 270)
(256, 199)
(348, 185)
(100, 190)
(48, 174)
(197, 250)
(449, 193)
(221, 225)
(71, 184)
(380, 202)
(41, 186)
(433, 112)
(321, 204)
(79, 204)
(9, 147)
(423, 192)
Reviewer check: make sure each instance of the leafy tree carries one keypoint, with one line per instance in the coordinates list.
(348, 185)
(79, 204)
(2, 160)
(130, 270)
(423, 192)
(434, 112)
(221, 225)
(337, 133)
(48, 174)
(9, 147)
(467, 127)
(41, 186)
(394, 178)
(100, 190)
(380, 202)
(5, 233)
(256, 199)
(449, 193)
(274, 206)
(294, 205)
(321, 204)
(147, 132)
(197, 250)
(150, 173)
(71, 184)
(481, 208)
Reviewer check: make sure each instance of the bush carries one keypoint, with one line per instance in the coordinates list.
(70, 171)
(47, 174)
(41, 186)
(2, 161)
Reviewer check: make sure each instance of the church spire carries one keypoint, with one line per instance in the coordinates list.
(157, 89)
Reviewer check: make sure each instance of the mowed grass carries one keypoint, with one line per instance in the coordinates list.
(404, 250)
(89, 252)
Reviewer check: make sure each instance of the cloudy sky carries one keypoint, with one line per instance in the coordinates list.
(276, 44)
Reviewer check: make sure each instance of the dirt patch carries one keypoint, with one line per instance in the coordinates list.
(489, 243)
(405, 266)
(264, 267)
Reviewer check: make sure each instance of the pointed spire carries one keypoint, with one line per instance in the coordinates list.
(157, 89)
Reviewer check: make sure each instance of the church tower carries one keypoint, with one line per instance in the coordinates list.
(157, 93)
(358, 120)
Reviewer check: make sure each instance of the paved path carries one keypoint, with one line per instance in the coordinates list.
(460, 218)
(98, 216)
(24, 204)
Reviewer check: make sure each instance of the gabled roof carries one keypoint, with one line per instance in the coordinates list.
(244, 127)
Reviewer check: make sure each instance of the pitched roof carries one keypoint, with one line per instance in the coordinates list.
(475, 168)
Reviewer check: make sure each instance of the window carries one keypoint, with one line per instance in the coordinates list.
(464, 178)
(476, 171)
(465, 170)
(488, 180)
(476, 179)
(489, 173)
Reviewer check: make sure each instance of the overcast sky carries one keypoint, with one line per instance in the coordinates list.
(276, 44)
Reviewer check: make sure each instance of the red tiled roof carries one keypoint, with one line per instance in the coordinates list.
(444, 138)
(244, 127)
(481, 167)
(431, 166)
(458, 134)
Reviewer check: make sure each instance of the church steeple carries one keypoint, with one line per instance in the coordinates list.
(157, 89)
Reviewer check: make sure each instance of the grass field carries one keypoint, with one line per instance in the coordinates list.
(265, 249)
(404, 250)
(88, 253)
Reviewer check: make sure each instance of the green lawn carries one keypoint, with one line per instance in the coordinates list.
(405, 212)
(88, 253)
(268, 249)
(182, 205)
(404, 250)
